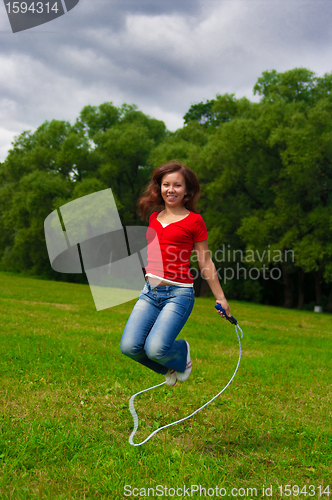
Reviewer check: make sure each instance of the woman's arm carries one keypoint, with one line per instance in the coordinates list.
(208, 270)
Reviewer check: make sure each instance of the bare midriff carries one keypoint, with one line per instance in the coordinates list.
(156, 282)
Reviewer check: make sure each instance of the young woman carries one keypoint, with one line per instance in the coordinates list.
(167, 299)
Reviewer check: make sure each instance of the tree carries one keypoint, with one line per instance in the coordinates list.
(267, 171)
(302, 204)
(106, 147)
(123, 151)
(23, 211)
(213, 113)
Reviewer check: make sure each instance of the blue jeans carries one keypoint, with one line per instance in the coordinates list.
(156, 320)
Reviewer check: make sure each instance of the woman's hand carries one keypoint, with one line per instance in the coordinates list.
(224, 304)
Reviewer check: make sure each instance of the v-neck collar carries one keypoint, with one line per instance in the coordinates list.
(175, 222)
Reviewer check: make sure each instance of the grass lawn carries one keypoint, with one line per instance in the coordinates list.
(65, 387)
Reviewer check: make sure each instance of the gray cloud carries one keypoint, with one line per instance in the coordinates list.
(162, 55)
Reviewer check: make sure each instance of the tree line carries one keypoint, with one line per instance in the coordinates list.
(265, 172)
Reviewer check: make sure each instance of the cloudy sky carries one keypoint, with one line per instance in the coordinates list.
(162, 55)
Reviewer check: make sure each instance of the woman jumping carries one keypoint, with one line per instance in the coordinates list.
(167, 299)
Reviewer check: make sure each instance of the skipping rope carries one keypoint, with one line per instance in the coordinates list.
(232, 320)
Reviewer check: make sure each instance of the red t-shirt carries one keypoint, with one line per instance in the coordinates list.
(169, 252)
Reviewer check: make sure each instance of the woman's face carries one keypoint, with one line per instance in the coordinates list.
(173, 189)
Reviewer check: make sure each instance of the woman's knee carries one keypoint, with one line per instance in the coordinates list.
(130, 349)
(155, 351)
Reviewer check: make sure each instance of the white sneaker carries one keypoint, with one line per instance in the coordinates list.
(182, 376)
(171, 377)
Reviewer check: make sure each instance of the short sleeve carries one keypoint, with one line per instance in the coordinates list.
(200, 231)
(152, 217)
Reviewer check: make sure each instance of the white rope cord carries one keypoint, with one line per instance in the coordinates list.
(134, 414)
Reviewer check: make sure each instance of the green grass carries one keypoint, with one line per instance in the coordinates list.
(65, 388)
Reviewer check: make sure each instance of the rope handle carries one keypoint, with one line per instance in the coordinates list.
(231, 318)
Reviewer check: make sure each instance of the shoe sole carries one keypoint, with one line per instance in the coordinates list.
(179, 375)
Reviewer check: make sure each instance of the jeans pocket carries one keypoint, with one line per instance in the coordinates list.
(183, 292)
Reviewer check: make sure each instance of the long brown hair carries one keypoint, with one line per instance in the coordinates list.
(151, 198)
